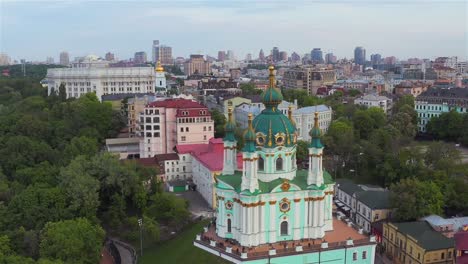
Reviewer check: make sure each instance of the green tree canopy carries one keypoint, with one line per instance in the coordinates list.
(415, 199)
(72, 241)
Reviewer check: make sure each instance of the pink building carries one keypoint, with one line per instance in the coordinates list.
(165, 124)
(205, 162)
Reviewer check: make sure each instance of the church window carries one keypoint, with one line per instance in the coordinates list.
(261, 164)
(279, 164)
(229, 225)
(284, 228)
(354, 256)
(364, 254)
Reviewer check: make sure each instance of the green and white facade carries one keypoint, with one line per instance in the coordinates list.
(436, 100)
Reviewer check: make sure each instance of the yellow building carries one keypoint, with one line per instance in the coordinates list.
(416, 242)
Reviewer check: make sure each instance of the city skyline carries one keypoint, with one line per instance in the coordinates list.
(124, 28)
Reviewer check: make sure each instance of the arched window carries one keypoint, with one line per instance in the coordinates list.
(229, 225)
(284, 228)
(279, 164)
(261, 164)
(293, 161)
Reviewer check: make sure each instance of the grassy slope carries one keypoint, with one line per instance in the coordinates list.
(180, 250)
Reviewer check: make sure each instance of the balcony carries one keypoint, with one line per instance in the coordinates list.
(343, 236)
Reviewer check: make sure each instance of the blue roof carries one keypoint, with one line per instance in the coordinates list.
(311, 109)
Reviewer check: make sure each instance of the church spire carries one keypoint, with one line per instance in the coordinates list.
(315, 134)
(315, 173)
(272, 96)
(230, 126)
(249, 136)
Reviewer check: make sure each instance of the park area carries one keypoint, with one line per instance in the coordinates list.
(180, 249)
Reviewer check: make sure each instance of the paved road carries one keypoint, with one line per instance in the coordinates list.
(197, 205)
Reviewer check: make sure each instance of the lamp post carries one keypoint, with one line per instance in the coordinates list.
(140, 223)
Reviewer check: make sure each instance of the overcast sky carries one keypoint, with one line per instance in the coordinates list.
(404, 28)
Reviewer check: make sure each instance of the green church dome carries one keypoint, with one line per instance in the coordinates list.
(315, 134)
(271, 126)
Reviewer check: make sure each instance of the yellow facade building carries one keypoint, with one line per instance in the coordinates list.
(416, 242)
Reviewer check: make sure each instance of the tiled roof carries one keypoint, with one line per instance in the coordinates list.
(375, 199)
(457, 222)
(426, 237)
(348, 186)
(176, 103)
(168, 156)
(211, 155)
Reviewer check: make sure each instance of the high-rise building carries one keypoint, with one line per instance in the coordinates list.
(64, 58)
(376, 59)
(140, 57)
(295, 57)
(316, 55)
(197, 65)
(4, 59)
(283, 56)
(221, 55)
(390, 60)
(50, 60)
(110, 56)
(360, 56)
(248, 57)
(162, 53)
(330, 58)
(275, 54)
(261, 55)
(230, 55)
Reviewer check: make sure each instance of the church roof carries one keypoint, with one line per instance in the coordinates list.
(266, 187)
(275, 127)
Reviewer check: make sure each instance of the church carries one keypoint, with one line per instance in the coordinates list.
(271, 209)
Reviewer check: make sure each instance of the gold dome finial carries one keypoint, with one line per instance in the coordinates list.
(272, 76)
(159, 67)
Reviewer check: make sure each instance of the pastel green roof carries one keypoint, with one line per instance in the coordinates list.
(266, 187)
(272, 122)
(272, 97)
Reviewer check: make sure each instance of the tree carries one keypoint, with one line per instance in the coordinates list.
(80, 188)
(363, 124)
(249, 89)
(72, 241)
(414, 199)
(62, 92)
(37, 205)
(168, 208)
(219, 122)
(81, 146)
(442, 156)
(302, 152)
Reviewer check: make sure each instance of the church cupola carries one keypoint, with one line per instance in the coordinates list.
(230, 126)
(272, 96)
(230, 144)
(315, 173)
(249, 137)
(250, 160)
(160, 80)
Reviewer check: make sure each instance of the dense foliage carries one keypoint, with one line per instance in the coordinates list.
(31, 71)
(58, 191)
(451, 126)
